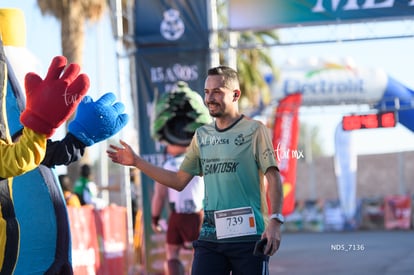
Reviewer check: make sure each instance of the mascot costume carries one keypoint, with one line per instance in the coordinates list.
(34, 224)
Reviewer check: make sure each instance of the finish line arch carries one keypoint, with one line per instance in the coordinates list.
(327, 83)
(324, 82)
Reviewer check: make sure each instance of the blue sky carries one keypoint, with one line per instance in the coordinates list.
(43, 40)
(394, 56)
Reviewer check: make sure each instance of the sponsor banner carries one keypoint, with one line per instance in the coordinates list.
(285, 141)
(345, 166)
(85, 249)
(397, 212)
(265, 14)
(172, 41)
(173, 23)
(372, 214)
(330, 83)
(99, 240)
(111, 223)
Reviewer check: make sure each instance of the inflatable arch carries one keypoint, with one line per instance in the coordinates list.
(323, 82)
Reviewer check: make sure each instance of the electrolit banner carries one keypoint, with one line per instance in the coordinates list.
(325, 82)
(266, 14)
(330, 83)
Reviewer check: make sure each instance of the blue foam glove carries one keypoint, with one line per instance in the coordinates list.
(99, 120)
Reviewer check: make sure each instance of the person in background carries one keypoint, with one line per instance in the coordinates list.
(135, 193)
(186, 212)
(233, 154)
(87, 190)
(186, 112)
(70, 197)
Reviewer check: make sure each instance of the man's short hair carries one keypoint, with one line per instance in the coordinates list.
(230, 75)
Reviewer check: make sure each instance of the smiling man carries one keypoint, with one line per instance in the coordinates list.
(235, 207)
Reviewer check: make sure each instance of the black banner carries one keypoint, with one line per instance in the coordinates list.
(171, 23)
(172, 44)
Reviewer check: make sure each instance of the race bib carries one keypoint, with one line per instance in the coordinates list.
(235, 222)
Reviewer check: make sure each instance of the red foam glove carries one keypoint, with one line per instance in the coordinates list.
(52, 101)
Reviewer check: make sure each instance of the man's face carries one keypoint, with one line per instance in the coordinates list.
(217, 97)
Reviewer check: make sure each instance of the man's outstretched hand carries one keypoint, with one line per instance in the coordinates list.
(51, 101)
(122, 155)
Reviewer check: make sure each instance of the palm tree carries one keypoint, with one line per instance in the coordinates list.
(73, 16)
(251, 62)
(252, 59)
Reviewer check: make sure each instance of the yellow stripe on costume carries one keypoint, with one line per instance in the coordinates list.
(12, 27)
(3, 237)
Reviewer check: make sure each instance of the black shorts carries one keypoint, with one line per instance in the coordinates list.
(183, 227)
(221, 258)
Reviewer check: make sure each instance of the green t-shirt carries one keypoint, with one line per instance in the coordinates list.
(232, 162)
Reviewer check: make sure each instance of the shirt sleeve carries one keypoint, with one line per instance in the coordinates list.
(265, 153)
(24, 155)
(191, 163)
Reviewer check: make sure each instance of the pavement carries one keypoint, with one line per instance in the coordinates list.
(345, 252)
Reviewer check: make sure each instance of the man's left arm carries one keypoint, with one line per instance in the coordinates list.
(275, 193)
(275, 190)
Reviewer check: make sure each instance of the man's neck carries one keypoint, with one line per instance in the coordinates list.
(225, 122)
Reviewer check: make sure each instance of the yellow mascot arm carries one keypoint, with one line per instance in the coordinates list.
(22, 156)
